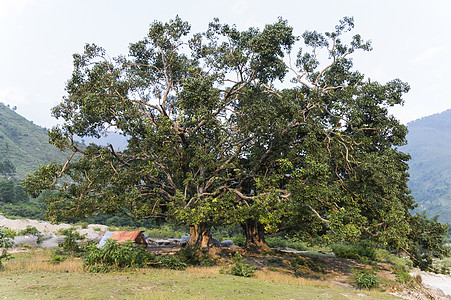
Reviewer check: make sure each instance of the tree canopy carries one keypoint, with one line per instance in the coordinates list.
(226, 127)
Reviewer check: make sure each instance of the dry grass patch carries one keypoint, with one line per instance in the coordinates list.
(279, 277)
(39, 260)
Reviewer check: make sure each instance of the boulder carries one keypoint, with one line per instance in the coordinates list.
(25, 240)
(52, 242)
(226, 243)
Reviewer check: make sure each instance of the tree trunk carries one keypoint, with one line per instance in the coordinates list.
(255, 235)
(200, 236)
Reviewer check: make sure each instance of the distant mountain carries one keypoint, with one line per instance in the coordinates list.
(115, 139)
(429, 144)
(24, 143)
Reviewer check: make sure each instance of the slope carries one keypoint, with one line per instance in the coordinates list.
(429, 144)
(24, 144)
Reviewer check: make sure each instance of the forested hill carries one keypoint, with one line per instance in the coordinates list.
(24, 143)
(429, 144)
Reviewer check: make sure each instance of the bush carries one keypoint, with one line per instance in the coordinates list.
(362, 251)
(280, 242)
(5, 243)
(402, 274)
(9, 233)
(171, 262)
(114, 256)
(70, 246)
(240, 268)
(83, 225)
(192, 256)
(30, 230)
(366, 280)
(56, 258)
(239, 239)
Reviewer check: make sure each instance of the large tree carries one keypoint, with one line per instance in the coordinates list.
(177, 101)
(214, 138)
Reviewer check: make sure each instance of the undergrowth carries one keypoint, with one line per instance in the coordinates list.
(240, 268)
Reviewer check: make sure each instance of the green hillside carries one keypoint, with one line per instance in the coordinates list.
(429, 144)
(24, 144)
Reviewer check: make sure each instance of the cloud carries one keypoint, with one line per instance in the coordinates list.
(428, 55)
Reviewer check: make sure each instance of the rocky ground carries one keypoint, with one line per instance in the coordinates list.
(93, 232)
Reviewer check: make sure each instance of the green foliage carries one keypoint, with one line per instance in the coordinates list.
(365, 279)
(23, 145)
(358, 251)
(83, 225)
(70, 246)
(285, 242)
(31, 230)
(114, 256)
(402, 274)
(192, 256)
(56, 258)
(9, 233)
(7, 168)
(171, 262)
(14, 202)
(238, 239)
(164, 232)
(5, 243)
(240, 268)
(427, 238)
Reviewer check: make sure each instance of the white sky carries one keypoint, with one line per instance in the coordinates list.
(411, 41)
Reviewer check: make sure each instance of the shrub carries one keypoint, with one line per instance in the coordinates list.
(30, 230)
(83, 225)
(56, 258)
(362, 251)
(240, 268)
(239, 239)
(70, 245)
(113, 256)
(5, 243)
(192, 256)
(366, 280)
(280, 242)
(171, 262)
(9, 233)
(402, 274)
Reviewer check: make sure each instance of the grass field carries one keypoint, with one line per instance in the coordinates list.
(30, 275)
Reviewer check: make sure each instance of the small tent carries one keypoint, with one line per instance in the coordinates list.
(122, 236)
